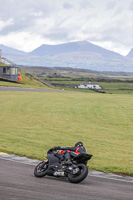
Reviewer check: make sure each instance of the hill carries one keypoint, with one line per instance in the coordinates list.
(83, 55)
(130, 54)
(77, 47)
(9, 50)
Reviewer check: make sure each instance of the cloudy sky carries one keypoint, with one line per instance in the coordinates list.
(27, 24)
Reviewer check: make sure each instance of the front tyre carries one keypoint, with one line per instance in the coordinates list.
(41, 169)
(80, 175)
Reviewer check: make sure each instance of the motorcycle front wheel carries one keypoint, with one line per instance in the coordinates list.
(80, 175)
(41, 169)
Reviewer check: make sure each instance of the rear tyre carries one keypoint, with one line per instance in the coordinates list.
(41, 169)
(80, 176)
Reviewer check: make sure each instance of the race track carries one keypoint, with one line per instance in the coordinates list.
(5, 88)
(17, 182)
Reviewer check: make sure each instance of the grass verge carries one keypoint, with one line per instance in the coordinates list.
(31, 123)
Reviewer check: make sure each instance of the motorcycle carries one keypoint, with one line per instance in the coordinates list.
(55, 166)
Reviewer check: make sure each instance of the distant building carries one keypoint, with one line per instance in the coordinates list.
(89, 86)
(8, 69)
(64, 72)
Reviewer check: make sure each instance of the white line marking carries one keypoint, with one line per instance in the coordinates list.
(97, 176)
(34, 164)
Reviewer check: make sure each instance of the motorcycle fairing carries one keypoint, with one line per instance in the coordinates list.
(53, 164)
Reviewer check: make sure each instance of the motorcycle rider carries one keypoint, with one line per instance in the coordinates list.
(70, 152)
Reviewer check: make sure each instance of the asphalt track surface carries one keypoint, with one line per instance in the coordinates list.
(17, 182)
(5, 88)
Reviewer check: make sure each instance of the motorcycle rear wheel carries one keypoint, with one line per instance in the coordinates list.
(41, 169)
(80, 176)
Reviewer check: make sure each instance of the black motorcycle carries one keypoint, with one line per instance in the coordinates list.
(55, 166)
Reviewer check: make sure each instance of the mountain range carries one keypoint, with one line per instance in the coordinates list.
(82, 54)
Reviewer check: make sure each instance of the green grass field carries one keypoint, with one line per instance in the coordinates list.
(108, 86)
(33, 122)
(105, 85)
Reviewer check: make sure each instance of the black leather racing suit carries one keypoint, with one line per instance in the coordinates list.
(70, 152)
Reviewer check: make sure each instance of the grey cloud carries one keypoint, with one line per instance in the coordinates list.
(19, 25)
(58, 35)
(24, 14)
(84, 4)
(20, 9)
(118, 11)
(67, 6)
(111, 5)
(117, 35)
(131, 6)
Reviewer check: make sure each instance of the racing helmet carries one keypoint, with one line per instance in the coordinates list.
(79, 144)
